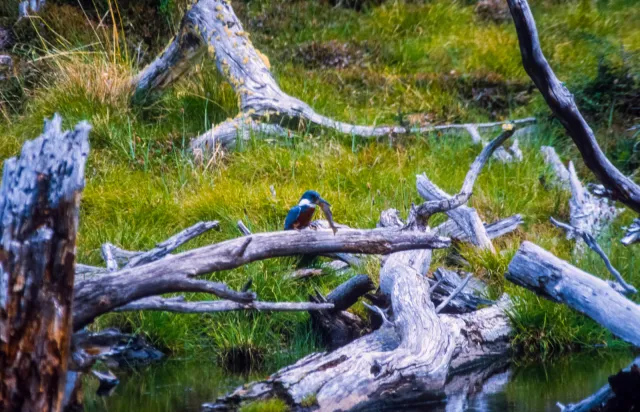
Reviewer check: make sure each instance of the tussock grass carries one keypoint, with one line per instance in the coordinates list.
(418, 57)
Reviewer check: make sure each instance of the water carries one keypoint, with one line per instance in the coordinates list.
(176, 385)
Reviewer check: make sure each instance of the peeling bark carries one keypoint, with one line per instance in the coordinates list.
(39, 201)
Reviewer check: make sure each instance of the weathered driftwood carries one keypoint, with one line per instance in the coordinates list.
(336, 326)
(29, 7)
(39, 201)
(560, 172)
(591, 242)
(561, 102)
(212, 27)
(494, 230)
(406, 360)
(454, 293)
(468, 299)
(588, 213)
(543, 273)
(178, 304)
(177, 273)
(632, 234)
(598, 399)
(465, 217)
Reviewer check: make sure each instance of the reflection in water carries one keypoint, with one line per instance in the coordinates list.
(184, 385)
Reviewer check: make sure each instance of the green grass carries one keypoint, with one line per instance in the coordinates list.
(416, 57)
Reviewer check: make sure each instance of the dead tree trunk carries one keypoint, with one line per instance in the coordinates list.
(39, 202)
(589, 214)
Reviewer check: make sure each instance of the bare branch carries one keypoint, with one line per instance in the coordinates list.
(175, 273)
(440, 201)
(243, 229)
(593, 244)
(561, 102)
(178, 304)
(171, 244)
(454, 293)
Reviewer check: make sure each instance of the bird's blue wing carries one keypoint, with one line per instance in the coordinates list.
(292, 216)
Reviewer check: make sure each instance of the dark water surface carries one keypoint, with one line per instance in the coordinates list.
(183, 385)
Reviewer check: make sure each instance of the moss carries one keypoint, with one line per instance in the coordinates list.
(309, 401)
(271, 405)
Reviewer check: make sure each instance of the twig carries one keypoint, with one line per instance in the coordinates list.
(447, 202)
(591, 242)
(453, 294)
(243, 229)
(379, 311)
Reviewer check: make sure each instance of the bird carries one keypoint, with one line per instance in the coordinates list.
(299, 216)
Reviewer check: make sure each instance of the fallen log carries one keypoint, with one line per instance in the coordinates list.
(563, 106)
(178, 304)
(494, 230)
(211, 27)
(546, 275)
(39, 201)
(408, 359)
(177, 273)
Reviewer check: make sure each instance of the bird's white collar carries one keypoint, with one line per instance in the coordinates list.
(306, 202)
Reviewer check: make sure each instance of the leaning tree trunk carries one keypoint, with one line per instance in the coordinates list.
(39, 202)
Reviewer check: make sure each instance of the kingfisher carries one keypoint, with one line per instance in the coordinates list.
(299, 216)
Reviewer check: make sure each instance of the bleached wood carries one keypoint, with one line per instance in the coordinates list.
(543, 273)
(632, 233)
(552, 159)
(467, 218)
(178, 304)
(588, 213)
(211, 27)
(593, 244)
(176, 273)
(454, 293)
(406, 360)
(494, 230)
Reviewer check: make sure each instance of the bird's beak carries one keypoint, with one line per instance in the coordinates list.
(324, 202)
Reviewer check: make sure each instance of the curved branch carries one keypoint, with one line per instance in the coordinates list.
(591, 242)
(212, 27)
(561, 102)
(176, 273)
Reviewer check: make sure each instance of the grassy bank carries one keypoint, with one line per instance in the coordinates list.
(377, 65)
